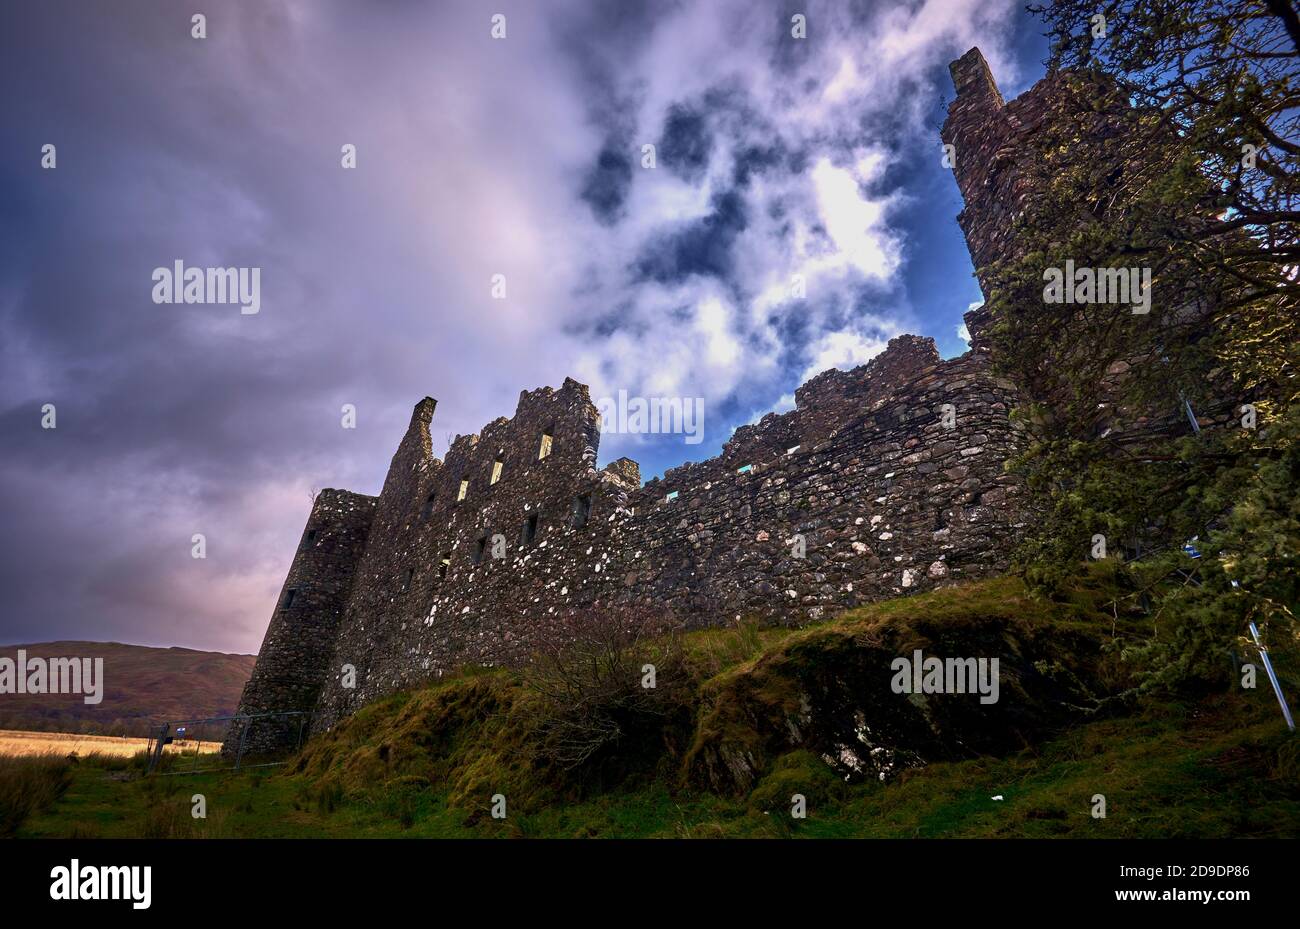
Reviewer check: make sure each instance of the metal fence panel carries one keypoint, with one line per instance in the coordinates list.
(259, 740)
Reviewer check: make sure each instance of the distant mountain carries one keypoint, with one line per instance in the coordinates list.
(142, 686)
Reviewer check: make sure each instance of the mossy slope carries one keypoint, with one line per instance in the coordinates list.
(828, 690)
(823, 691)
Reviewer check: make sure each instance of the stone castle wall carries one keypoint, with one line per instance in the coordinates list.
(891, 474)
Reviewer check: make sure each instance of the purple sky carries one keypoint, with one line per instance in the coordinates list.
(476, 156)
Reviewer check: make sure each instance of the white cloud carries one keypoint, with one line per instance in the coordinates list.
(830, 223)
(855, 223)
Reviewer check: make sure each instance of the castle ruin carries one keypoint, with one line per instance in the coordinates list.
(887, 479)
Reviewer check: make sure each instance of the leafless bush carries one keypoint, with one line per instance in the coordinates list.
(605, 683)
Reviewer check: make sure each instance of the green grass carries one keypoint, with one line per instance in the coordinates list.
(427, 763)
(29, 783)
(1224, 767)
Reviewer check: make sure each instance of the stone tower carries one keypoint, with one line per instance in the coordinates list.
(990, 146)
(997, 147)
(299, 642)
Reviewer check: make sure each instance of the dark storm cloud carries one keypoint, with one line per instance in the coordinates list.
(702, 248)
(172, 419)
(608, 182)
(475, 157)
(686, 143)
(755, 159)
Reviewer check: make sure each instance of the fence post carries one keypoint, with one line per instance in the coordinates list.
(198, 744)
(243, 736)
(156, 755)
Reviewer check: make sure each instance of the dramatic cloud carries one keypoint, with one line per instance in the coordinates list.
(782, 167)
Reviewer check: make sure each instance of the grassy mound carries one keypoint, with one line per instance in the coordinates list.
(753, 697)
(457, 734)
(761, 717)
(827, 689)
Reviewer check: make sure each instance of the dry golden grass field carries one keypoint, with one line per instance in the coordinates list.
(14, 742)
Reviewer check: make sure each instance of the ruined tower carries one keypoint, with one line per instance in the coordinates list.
(998, 150)
(299, 642)
(991, 149)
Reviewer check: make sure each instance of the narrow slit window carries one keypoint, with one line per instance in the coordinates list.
(547, 441)
(529, 531)
(464, 489)
(289, 596)
(406, 581)
(311, 537)
(480, 549)
(496, 470)
(443, 566)
(581, 510)
(428, 505)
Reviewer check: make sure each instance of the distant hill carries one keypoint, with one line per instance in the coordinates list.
(142, 686)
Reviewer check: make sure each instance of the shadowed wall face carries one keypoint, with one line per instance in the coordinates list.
(299, 646)
(1004, 155)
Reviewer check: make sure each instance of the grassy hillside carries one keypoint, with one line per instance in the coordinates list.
(142, 685)
(757, 716)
